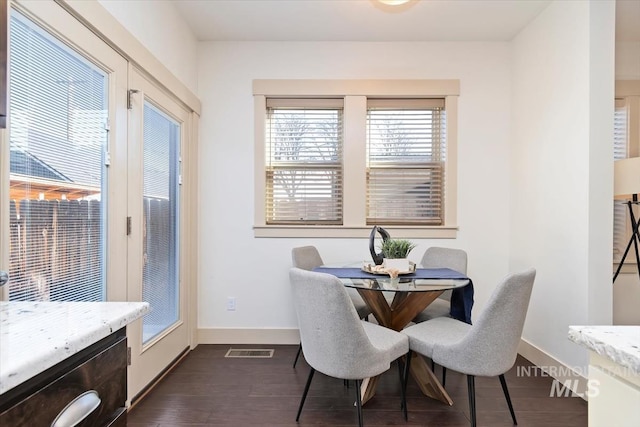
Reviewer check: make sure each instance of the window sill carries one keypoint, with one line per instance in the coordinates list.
(293, 231)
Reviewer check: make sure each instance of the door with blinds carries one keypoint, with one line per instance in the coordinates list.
(158, 129)
(62, 135)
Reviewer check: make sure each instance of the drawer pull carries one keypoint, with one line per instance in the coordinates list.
(77, 410)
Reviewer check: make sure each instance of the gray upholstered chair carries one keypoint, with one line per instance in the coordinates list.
(335, 340)
(489, 347)
(308, 258)
(435, 257)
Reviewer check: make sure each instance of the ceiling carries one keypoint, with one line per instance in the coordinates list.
(368, 20)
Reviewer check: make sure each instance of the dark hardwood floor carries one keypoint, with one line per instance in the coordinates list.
(207, 389)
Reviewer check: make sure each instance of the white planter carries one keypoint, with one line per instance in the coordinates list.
(400, 264)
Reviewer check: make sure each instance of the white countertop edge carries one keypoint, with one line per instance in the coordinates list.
(621, 344)
(35, 336)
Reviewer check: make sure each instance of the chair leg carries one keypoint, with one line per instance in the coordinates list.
(304, 394)
(403, 402)
(444, 376)
(503, 382)
(471, 385)
(359, 401)
(407, 369)
(297, 355)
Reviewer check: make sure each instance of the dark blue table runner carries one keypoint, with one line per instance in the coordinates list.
(461, 298)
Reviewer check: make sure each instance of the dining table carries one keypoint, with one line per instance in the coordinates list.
(395, 302)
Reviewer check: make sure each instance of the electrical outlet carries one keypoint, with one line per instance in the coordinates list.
(231, 304)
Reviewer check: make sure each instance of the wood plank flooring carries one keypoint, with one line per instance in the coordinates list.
(207, 389)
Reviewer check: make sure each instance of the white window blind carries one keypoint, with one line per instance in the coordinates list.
(406, 148)
(58, 110)
(161, 210)
(621, 234)
(304, 139)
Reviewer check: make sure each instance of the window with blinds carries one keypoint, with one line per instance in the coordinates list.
(304, 142)
(58, 113)
(620, 151)
(406, 148)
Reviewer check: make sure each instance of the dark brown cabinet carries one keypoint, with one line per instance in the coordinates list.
(99, 371)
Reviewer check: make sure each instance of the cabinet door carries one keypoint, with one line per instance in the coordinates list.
(104, 374)
(613, 400)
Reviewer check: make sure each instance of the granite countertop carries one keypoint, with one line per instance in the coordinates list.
(621, 344)
(35, 336)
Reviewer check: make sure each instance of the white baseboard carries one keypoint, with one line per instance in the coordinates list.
(549, 366)
(248, 336)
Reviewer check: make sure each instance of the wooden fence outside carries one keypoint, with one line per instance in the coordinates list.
(56, 251)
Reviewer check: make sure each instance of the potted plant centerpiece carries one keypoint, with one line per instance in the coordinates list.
(395, 252)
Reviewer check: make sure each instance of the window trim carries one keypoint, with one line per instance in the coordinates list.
(355, 93)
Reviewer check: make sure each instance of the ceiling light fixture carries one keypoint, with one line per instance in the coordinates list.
(393, 6)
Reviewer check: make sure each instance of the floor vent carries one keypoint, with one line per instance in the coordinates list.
(262, 353)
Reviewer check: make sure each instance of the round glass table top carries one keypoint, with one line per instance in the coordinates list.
(385, 283)
(403, 283)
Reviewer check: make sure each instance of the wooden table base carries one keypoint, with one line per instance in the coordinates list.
(403, 309)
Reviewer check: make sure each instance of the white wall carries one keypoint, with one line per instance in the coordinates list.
(159, 26)
(255, 271)
(561, 171)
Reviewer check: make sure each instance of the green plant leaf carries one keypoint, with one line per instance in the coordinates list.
(396, 248)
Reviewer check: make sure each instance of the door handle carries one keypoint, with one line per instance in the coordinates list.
(4, 277)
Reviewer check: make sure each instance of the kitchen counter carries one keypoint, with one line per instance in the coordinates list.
(620, 344)
(35, 336)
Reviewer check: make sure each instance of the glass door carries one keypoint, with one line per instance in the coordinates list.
(158, 127)
(91, 194)
(160, 220)
(61, 133)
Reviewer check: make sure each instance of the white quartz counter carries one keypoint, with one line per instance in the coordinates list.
(620, 344)
(35, 336)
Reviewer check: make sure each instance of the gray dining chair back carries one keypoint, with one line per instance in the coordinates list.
(437, 257)
(486, 348)
(490, 347)
(306, 257)
(334, 339)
